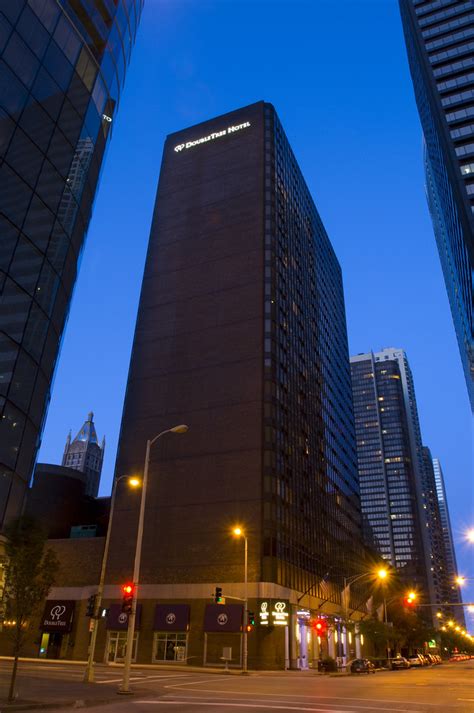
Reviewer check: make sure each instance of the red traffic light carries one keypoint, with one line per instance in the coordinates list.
(127, 588)
(319, 626)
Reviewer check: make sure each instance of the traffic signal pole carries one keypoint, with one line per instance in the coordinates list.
(89, 672)
(246, 610)
(125, 687)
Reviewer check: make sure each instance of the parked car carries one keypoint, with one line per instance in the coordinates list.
(362, 666)
(415, 661)
(398, 663)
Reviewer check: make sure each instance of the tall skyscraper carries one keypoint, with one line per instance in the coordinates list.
(433, 524)
(84, 454)
(440, 44)
(62, 67)
(453, 591)
(397, 496)
(241, 334)
(387, 464)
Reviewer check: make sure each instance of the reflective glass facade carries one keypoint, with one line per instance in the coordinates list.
(433, 524)
(62, 66)
(439, 35)
(388, 471)
(454, 593)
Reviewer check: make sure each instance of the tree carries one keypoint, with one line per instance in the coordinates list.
(30, 572)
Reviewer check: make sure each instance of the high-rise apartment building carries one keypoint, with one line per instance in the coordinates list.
(85, 454)
(241, 334)
(453, 591)
(439, 36)
(62, 67)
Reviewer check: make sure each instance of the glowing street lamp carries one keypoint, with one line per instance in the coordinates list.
(132, 482)
(125, 686)
(238, 532)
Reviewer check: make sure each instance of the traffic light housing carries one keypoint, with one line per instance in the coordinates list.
(90, 611)
(218, 595)
(128, 591)
(251, 618)
(319, 626)
(410, 599)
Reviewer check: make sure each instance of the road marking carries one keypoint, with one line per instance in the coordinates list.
(266, 700)
(147, 678)
(243, 705)
(465, 699)
(293, 695)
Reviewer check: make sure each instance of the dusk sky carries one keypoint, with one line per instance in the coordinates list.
(338, 77)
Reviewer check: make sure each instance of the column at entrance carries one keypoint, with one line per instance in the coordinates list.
(303, 658)
(331, 641)
(293, 641)
(315, 649)
(358, 648)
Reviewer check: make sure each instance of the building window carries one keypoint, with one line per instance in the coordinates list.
(170, 647)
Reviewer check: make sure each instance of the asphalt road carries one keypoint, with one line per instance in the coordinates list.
(441, 689)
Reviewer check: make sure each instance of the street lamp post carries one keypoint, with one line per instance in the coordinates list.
(125, 686)
(238, 532)
(381, 574)
(89, 672)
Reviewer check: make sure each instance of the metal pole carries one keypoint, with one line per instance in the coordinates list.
(244, 667)
(125, 687)
(89, 672)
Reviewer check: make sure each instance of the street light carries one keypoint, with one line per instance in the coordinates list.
(238, 532)
(89, 672)
(125, 687)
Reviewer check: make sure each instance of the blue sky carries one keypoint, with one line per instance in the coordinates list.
(337, 74)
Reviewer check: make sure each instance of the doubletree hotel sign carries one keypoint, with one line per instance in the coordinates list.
(58, 616)
(273, 612)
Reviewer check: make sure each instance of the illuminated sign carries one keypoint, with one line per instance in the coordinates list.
(211, 137)
(273, 612)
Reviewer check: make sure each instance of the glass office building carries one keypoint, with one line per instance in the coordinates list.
(389, 472)
(62, 67)
(454, 595)
(439, 36)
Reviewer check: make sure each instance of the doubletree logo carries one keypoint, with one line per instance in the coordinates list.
(216, 135)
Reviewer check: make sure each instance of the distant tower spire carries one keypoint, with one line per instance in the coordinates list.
(85, 454)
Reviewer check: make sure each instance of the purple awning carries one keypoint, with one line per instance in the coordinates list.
(223, 617)
(118, 621)
(171, 617)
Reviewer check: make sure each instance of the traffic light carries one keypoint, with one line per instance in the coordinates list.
(251, 618)
(319, 626)
(218, 595)
(90, 611)
(128, 591)
(410, 599)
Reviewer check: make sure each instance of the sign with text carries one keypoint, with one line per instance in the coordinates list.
(273, 612)
(171, 617)
(211, 137)
(57, 616)
(117, 620)
(223, 617)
